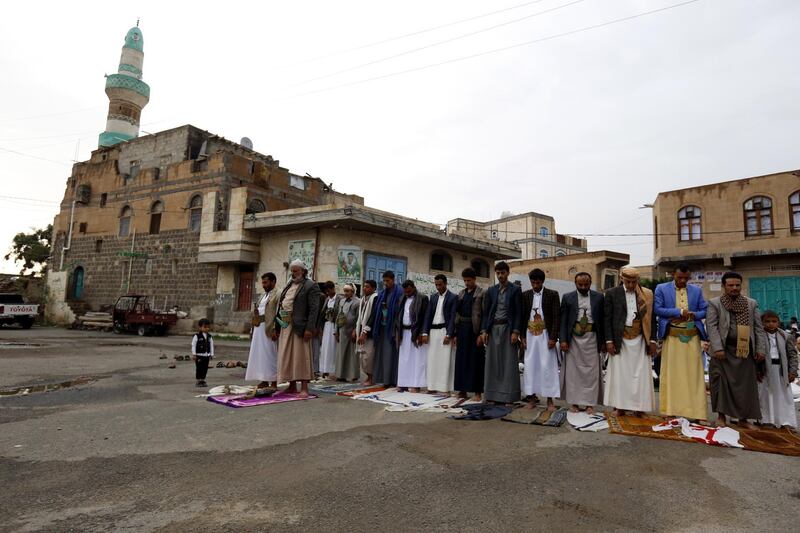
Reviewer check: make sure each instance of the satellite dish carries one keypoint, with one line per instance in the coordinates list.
(247, 143)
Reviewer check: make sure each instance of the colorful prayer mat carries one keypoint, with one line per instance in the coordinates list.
(239, 400)
(763, 439)
(365, 390)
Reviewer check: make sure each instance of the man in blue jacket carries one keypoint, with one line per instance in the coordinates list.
(680, 309)
(502, 318)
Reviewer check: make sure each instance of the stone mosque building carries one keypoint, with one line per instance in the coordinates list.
(191, 220)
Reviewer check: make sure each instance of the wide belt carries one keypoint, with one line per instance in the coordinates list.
(632, 332)
(407, 327)
(682, 332)
(500, 322)
(438, 326)
(579, 331)
(776, 361)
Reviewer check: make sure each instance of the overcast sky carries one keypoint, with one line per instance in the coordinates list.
(585, 127)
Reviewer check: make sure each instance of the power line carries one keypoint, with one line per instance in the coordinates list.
(419, 32)
(35, 156)
(438, 43)
(497, 50)
(6, 120)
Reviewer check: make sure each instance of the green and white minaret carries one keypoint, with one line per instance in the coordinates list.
(127, 93)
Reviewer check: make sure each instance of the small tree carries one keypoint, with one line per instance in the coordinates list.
(31, 249)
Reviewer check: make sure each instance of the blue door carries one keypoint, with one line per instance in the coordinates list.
(77, 288)
(378, 264)
(781, 294)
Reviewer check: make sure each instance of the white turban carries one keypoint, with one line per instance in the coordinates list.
(298, 263)
(349, 286)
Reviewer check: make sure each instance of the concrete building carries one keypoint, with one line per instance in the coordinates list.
(603, 265)
(191, 219)
(749, 225)
(534, 233)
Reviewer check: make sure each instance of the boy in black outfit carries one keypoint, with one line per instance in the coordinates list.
(202, 351)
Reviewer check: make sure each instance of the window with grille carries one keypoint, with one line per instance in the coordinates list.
(758, 216)
(155, 217)
(689, 228)
(125, 221)
(195, 212)
(794, 211)
(441, 260)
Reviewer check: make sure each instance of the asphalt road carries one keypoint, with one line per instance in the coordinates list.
(136, 450)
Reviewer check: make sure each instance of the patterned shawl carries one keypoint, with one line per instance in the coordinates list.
(738, 307)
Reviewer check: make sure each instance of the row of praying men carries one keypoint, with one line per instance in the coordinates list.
(471, 342)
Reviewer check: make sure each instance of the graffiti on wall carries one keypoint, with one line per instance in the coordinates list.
(304, 251)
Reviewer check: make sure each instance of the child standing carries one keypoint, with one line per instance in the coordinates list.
(202, 351)
(779, 370)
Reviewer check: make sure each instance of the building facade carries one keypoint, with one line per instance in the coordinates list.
(534, 233)
(132, 217)
(603, 265)
(750, 225)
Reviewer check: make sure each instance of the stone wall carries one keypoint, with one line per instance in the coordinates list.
(167, 270)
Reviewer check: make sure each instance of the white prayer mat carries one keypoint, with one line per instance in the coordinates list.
(403, 401)
(795, 392)
(586, 422)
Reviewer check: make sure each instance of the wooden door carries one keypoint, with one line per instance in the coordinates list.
(244, 301)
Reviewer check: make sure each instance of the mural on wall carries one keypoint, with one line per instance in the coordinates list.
(424, 283)
(304, 251)
(348, 265)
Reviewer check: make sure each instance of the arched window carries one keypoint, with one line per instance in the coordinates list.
(125, 221)
(544, 232)
(758, 216)
(441, 260)
(481, 267)
(560, 253)
(155, 217)
(195, 212)
(794, 211)
(543, 254)
(255, 206)
(689, 224)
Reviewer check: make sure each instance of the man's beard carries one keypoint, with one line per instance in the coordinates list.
(583, 291)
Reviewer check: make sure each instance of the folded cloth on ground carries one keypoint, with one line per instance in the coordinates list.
(724, 436)
(795, 391)
(482, 411)
(583, 421)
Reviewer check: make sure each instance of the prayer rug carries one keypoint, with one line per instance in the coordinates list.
(393, 397)
(583, 421)
(334, 387)
(450, 405)
(239, 400)
(482, 411)
(539, 417)
(763, 439)
(365, 390)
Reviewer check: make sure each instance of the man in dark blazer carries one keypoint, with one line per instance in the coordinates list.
(582, 343)
(470, 353)
(298, 309)
(409, 324)
(630, 329)
(438, 334)
(502, 319)
(541, 317)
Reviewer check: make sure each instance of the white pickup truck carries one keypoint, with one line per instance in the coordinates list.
(13, 309)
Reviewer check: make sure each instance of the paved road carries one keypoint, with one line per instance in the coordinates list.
(136, 450)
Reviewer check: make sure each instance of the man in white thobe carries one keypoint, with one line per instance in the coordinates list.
(327, 351)
(438, 333)
(262, 364)
(630, 326)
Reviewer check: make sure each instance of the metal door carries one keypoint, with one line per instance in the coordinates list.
(780, 294)
(77, 287)
(244, 302)
(378, 264)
